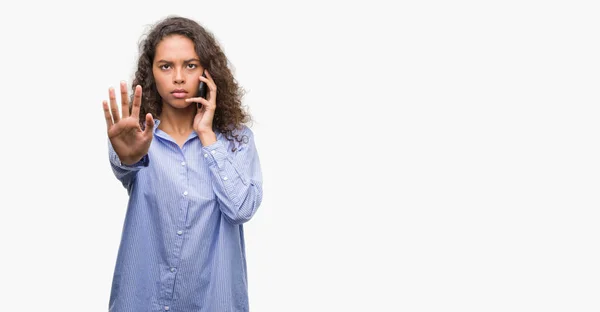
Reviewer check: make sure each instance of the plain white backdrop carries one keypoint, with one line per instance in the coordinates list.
(420, 156)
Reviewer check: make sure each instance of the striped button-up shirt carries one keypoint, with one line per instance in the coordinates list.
(182, 246)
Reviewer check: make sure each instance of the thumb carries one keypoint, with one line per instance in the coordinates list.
(149, 125)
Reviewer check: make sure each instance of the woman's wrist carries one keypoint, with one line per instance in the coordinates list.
(207, 137)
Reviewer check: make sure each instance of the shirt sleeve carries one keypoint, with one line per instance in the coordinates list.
(237, 177)
(125, 173)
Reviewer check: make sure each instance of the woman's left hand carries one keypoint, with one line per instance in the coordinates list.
(204, 116)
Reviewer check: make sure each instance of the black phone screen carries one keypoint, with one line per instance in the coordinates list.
(201, 90)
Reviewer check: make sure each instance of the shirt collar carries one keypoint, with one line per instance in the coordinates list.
(156, 123)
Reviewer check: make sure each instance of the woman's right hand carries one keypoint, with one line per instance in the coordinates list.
(128, 139)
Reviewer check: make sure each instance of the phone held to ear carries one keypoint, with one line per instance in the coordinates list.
(201, 91)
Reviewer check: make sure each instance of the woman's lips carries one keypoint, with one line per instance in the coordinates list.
(179, 95)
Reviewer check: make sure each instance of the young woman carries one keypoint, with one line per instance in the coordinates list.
(192, 172)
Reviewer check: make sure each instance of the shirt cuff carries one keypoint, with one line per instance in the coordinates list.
(215, 154)
(141, 163)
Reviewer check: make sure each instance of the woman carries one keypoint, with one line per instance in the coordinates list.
(192, 172)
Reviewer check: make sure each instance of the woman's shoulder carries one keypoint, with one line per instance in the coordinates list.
(240, 136)
(239, 131)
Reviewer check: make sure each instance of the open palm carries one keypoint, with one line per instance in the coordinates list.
(128, 139)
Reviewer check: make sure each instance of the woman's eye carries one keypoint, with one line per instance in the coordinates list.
(192, 66)
(164, 67)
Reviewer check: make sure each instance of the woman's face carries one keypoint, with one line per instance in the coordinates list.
(176, 68)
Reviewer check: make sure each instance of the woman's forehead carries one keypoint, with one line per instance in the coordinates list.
(176, 47)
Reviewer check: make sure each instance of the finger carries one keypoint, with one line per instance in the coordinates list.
(107, 116)
(209, 81)
(196, 99)
(124, 100)
(212, 87)
(149, 126)
(113, 105)
(137, 102)
(205, 103)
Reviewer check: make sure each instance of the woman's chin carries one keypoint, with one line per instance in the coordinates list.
(180, 103)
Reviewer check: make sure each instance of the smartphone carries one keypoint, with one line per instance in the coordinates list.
(201, 91)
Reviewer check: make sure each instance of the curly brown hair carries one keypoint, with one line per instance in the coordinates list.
(229, 114)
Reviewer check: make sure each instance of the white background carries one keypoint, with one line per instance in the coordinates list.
(427, 156)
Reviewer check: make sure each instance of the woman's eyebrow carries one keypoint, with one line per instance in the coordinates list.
(186, 61)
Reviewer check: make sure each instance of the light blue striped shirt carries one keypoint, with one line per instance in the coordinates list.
(182, 246)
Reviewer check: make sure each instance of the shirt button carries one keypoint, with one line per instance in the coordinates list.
(185, 193)
(173, 269)
(225, 178)
(212, 152)
(183, 163)
(166, 308)
(205, 155)
(179, 232)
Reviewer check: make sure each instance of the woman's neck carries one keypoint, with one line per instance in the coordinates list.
(177, 122)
